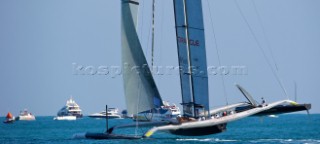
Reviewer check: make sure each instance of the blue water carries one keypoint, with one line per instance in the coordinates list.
(287, 129)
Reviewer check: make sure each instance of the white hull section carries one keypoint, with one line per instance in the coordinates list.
(27, 118)
(65, 118)
(104, 116)
(9, 120)
(215, 121)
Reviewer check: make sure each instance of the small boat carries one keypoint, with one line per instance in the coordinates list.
(65, 118)
(9, 118)
(112, 114)
(26, 116)
(70, 109)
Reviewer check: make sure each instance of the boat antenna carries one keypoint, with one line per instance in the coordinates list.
(295, 91)
(107, 118)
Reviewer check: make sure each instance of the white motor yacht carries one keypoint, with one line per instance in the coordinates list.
(25, 115)
(70, 109)
(112, 114)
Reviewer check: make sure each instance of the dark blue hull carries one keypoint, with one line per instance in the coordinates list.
(201, 130)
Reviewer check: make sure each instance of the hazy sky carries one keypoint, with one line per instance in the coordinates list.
(41, 43)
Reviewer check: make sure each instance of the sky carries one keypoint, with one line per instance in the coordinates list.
(42, 43)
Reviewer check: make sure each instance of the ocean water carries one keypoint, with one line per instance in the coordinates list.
(285, 129)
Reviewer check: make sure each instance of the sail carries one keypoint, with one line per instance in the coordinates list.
(141, 93)
(192, 56)
(9, 116)
(247, 95)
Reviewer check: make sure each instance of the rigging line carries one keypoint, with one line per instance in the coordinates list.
(264, 34)
(137, 122)
(142, 25)
(152, 47)
(218, 55)
(148, 42)
(260, 47)
(160, 47)
(161, 28)
(141, 14)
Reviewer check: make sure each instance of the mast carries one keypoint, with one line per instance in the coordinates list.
(192, 56)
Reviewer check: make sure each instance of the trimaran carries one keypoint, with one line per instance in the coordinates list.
(142, 95)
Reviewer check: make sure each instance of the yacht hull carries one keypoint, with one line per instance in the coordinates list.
(206, 124)
(285, 109)
(103, 117)
(103, 136)
(65, 118)
(26, 118)
(78, 115)
(70, 114)
(200, 131)
(281, 109)
(8, 121)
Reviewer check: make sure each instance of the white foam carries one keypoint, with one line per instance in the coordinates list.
(288, 140)
(188, 139)
(207, 139)
(225, 140)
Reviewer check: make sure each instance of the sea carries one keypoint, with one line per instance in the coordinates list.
(284, 129)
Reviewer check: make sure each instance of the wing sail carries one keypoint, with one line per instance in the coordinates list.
(192, 56)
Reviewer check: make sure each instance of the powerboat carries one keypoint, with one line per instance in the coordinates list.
(112, 114)
(26, 116)
(70, 109)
